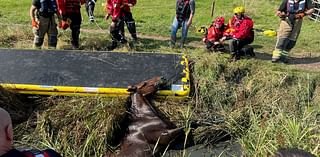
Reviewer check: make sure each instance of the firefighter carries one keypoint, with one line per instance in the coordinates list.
(114, 10)
(71, 17)
(6, 141)
(291, 13)
(240, 32)
(44, 22)
(214, 34)
(185, 10)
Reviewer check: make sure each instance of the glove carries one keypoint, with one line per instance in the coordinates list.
(34, 23)
(299, 15)
(63, 25)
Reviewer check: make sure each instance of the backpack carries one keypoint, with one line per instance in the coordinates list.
(47, 7)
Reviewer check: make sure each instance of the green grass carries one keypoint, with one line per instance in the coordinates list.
(262, 106)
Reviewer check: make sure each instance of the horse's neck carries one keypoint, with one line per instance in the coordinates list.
(141, 104)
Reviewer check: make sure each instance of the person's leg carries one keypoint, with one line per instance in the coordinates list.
(209, 45)
(116, 34)
(120, 27)
(75, 29)
(245, 51)
(40, 32)
(235, 47)
(184, 33)
(52, 34)
(284, 32)
(131, 25)
(293, 37)
(90, 4)
(174, 29)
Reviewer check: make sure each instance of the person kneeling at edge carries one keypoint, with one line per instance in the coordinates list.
(240, 32)
(6, 141)
(291, 13)
(214, 34)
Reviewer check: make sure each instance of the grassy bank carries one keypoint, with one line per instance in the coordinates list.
(260, 105)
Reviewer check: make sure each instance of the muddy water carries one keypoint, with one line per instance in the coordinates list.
(222, 149)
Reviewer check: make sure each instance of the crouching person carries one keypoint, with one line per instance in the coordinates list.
(6, 141)
(240, 32)
(44, 22)
(214, 35)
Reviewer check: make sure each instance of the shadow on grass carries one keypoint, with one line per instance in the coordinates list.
(292, 60)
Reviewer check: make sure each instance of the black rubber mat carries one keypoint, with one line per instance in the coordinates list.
(86, 69)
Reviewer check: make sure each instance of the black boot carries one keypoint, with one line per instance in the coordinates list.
(113, 45)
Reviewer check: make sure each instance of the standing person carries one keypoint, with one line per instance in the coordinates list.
(71, 17)
(43, 22)
(240, 32)
(6, 141)
(214, 34)
(128, 19)
(90, 4)
(185, 10)
(291, 13)
(114, 9)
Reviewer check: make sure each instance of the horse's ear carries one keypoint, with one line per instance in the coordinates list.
(132, 88)
(142, 84)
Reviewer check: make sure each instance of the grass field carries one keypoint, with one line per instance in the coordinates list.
(264, 106)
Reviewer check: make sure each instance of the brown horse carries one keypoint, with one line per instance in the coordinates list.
(148, 134)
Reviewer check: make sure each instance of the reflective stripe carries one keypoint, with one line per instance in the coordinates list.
(284, 53)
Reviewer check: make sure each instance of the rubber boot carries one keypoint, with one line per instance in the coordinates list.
(276, 55)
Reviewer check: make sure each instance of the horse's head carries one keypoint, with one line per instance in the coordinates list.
(147, 87)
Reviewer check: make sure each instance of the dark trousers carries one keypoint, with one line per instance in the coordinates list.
(90, 4)
(75, 28)
(236, 45)
(131, 25)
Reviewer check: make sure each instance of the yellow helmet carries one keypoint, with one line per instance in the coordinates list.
(238, 10)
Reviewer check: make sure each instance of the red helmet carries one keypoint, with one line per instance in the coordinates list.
(219, 21)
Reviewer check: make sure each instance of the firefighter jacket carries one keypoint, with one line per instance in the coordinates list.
(66, 7)
(116, 8)
(241, 28)
(125, 7)
(214, 34)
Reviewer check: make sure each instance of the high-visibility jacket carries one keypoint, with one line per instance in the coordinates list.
(241, 28)
(69, 6)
